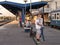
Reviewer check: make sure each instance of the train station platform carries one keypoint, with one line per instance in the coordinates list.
(12, 34)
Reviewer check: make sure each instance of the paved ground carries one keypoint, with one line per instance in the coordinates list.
(12, 34)
(52, 36)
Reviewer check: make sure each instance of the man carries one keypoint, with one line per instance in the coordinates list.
(20, 19)
(38, 24)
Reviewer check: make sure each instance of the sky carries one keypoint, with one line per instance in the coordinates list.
(21, 1)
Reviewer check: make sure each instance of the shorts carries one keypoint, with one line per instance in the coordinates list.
(38, 31)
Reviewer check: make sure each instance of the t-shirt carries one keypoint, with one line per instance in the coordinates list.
(40, 21)
(20, 19)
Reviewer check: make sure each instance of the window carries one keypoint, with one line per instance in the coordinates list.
(57, 13)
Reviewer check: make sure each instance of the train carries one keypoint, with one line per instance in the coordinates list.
(55, 18)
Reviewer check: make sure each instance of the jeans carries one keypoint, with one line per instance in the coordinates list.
(20, 24)
(42, 35)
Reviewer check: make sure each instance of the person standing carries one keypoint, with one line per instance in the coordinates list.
(20, 19)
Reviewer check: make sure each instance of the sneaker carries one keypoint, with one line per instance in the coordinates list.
(38, 41)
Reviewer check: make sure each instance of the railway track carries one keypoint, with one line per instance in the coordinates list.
(4, 22)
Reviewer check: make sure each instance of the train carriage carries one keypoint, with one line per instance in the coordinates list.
(55, 18)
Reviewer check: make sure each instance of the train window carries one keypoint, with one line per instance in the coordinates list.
(57, 17)
(53, 17)
(55, 14)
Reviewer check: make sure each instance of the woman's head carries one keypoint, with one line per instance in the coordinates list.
(39, 15)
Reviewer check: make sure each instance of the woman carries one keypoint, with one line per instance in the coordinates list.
(38, 25)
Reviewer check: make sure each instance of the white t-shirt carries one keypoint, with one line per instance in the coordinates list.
(28, 23)
(38, 21)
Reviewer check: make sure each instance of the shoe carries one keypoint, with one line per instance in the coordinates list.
(38, 41)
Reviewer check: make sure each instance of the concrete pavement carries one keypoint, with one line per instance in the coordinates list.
(52, 36)
(12, 34)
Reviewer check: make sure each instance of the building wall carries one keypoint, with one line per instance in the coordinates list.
(53, 4)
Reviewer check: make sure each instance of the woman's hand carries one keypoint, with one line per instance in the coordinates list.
(39, 24)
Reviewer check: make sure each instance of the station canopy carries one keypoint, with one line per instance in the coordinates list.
(20, 6)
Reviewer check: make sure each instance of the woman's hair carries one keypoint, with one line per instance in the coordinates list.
(39, 14)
